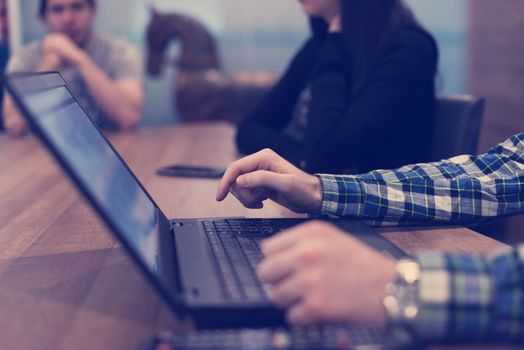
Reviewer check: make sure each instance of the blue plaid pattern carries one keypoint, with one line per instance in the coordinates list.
(462, 190)
(471, 298)
(462, 297)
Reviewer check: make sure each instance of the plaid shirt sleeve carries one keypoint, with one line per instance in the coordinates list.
(471, 298)
(462, 297)
(462, 190)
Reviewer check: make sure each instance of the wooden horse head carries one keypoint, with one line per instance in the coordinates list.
(201, 90)
(199, 50)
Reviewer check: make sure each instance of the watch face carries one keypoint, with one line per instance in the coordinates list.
(409, 270)
(401, 301)
(402, 304)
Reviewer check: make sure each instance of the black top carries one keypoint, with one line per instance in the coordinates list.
(387, 123)
(4, 56)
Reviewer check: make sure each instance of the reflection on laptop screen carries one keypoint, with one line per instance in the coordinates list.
(97, 166)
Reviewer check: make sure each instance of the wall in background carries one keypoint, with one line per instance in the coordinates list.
(447, 20)
(259, 35)
(497, 67)
(497, 73)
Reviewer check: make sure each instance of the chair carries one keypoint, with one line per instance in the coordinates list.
(457, 126)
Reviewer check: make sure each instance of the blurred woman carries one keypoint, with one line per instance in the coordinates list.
(359, 95)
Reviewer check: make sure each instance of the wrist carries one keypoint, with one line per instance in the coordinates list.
(387, 276)
(316, 194)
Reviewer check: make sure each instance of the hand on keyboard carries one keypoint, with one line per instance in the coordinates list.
(320, 274)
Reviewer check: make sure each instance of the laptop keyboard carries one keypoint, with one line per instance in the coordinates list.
(236, 251)
(308, 338)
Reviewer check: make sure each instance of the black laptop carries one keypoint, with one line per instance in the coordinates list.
(202, 268)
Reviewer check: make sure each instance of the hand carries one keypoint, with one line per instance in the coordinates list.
(61, 46)
(266, 175)
(323, 275)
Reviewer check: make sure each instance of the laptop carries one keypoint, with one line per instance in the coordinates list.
(202, 268)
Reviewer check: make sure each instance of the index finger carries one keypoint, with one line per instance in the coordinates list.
(254, 162)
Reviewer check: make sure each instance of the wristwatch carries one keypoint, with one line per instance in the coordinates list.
(402, 303)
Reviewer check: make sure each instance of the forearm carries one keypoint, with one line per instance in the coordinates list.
(462, 190)
(124, 108)
(49, 62)
(415, 203)
(471, 298)
(14, 123)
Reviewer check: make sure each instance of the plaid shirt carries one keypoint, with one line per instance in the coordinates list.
(461, 297)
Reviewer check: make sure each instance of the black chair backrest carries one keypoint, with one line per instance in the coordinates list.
(457, 129)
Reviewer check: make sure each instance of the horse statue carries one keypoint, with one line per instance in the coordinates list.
(202, 89)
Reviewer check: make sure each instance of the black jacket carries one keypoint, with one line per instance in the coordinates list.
(387, 123)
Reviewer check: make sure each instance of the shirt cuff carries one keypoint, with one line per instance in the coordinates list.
(455, 298)
(341, 195)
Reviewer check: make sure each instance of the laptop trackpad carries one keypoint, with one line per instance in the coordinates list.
(198, 275)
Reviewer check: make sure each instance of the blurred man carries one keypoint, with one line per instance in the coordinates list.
(105, 73)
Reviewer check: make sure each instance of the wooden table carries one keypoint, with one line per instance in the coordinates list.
(65, 282)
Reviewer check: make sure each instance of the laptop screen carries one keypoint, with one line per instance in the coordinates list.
(93, 162)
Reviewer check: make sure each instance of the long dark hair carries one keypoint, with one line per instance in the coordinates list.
(366, 24)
